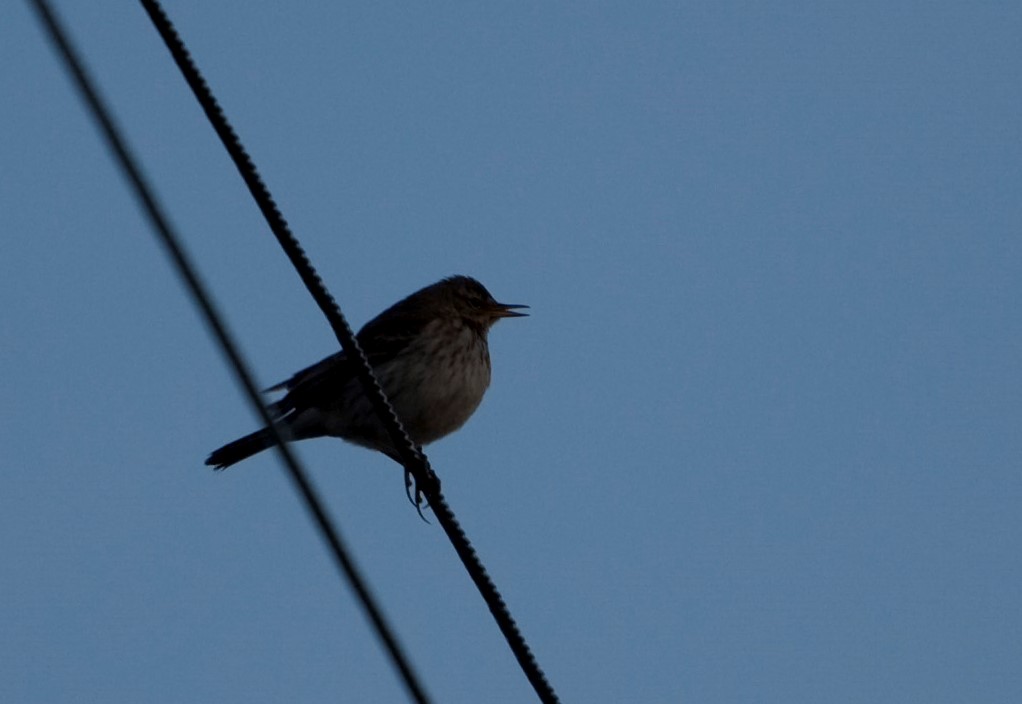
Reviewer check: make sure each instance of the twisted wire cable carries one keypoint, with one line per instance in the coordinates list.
(200, 296)
(414, 460)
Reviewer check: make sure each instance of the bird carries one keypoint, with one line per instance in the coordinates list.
(431, 355)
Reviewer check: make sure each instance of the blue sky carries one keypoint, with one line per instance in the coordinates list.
(758, 441)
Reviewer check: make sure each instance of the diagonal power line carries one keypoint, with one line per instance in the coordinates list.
(202, 299)
(414, 460)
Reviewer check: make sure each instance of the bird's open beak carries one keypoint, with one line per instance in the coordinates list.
(508, 310)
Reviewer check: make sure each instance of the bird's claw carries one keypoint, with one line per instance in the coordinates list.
(419, 499)
(419, 492)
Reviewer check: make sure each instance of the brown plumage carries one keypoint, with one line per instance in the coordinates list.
(430, 354)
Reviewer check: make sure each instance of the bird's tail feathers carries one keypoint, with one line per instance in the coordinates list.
(240, 449)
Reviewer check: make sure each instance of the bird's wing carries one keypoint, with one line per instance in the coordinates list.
(311, 373)
(386, 336)
(310, 386)
(318, 384)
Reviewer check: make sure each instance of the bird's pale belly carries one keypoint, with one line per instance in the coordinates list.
(432, 403)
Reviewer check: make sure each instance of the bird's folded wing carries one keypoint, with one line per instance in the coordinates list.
(316, 371)
(317, 384)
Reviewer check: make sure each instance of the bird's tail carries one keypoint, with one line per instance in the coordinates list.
(241, 449)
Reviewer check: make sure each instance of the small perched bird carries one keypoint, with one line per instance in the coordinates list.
(430, 354)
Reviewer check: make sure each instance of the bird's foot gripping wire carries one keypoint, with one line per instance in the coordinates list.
(419, 489)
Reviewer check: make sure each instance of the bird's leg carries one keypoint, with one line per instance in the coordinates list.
(421, 493)
(418, 500)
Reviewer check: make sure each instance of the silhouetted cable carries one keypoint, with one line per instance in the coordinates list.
(414, 460)
(213, 319)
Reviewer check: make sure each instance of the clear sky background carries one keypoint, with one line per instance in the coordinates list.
(758, 442)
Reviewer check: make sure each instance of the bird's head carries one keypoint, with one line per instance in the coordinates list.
(473, 302)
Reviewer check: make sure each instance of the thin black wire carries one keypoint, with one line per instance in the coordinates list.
(200, 296)
(414, 460)
(412, 457)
